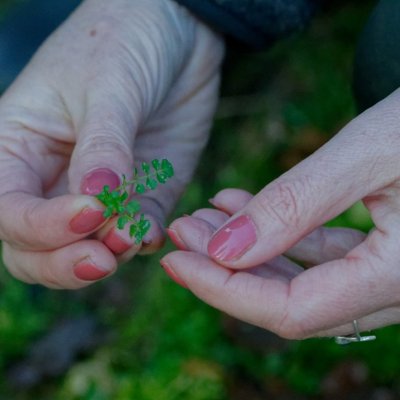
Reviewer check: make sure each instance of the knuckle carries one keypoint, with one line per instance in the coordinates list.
(103, 144)
(283, 202)
(33, 224)
(104, 139)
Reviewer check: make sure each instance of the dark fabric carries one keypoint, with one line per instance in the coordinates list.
(377, 59)
(24, 28)
(255, 22)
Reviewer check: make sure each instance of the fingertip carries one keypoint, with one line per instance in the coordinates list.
(231, 200)
(88, 260)
(88, 270)
(191, 233)
(170, 271)
(215, 218)
(94, 181)
(102, 154)
(175, 238)
(233, 240)
(87, 220)
(34, 223)
(154, 239)
(124, 246)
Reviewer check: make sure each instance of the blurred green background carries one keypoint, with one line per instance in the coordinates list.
(140, 336)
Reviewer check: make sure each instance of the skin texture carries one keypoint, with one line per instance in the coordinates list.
(354, 276)
(112, 87)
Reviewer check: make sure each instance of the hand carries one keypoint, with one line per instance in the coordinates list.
(241, 270)
(118, 83)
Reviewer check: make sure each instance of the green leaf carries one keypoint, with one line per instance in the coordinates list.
(156, 164)
(139, 238)
(146, 168)
(167, 168)
(123, 197)
(151, 183)
(119, 208)
(116, 201)
(140, 188)
(144, 224)
(115, 194)
(122, 221)
(104, 194)
(161, 177)
(133, 230)
(133, 207)
(108, 212)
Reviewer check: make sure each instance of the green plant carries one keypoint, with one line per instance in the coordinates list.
(117, 201)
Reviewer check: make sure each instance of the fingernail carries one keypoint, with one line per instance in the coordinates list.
(172, 274)
(176, 239)
(115, 242)
(86, 270)
(87, 220)
(94, 181)
(233, 240)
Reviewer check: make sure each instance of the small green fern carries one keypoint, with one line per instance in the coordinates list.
(117, 202)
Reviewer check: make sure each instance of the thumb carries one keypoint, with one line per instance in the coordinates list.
(313, 192)
(103, 150)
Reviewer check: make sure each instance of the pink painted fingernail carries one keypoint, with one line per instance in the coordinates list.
(88, 271)
(94, 181)
(172, 274)
(233, 240)
(115, 242)
(176, 239)
(86, 221)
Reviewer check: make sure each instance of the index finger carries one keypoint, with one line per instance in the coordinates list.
(34, 223)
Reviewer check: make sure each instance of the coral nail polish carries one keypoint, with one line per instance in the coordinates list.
(94, 181)
(87, 271)
(172, 274)
(176, 239)
(115, 243)
(87, 220)
(233, 240)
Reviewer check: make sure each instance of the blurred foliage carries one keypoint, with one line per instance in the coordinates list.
(277, 107)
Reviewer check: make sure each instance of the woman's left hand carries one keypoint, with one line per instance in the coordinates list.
(233, 258)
